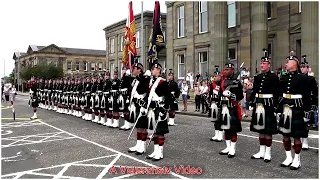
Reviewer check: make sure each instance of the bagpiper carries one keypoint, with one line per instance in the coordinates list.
(137, 108)
(157, 107)
(294, 108)
(174, 95)
(34, 98)
(231, 93)
(214, 90)
(264, 99)
(124, 97)
(313, 86)
(114, 99)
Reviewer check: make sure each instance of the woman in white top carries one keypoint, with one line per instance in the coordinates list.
(204, 94)
(184, 92)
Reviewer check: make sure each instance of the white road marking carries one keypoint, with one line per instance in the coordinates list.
(113, 150)
(36, 142)
(33, 135)
(64, 169)
(272, 140)
(105, 170)
(7, 132)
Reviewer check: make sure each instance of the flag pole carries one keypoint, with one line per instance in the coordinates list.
(142, 36)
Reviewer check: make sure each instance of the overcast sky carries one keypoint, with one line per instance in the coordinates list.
(66, 23)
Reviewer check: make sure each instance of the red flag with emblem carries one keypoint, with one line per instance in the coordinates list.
(129, 50)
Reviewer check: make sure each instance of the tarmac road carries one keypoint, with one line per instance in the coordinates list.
(63, 146)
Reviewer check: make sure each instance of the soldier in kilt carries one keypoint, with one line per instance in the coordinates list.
(74, 97)
(313, 86)
(264, 99)
(45, 94)
(231, 93)
(158, 105)
(137, 108)
(105, 100)
(97, 99)
(174, 95)
(34, 99)
(214, 89)
(114, 92)
(124, 97)
(87, 94)
(294, 108)
(54, 95)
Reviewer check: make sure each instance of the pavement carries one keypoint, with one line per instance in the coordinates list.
(63, 147)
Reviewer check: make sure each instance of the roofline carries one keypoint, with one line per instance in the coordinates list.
(136, 17)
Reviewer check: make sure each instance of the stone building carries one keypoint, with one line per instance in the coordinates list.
(74, 61)
(115, 40)
(203, 34)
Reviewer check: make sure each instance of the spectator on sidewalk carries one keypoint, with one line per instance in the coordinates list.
(205, 77)
(191, 81)
(184, 92)
(204, 90)
(198, 77)
(197, 98)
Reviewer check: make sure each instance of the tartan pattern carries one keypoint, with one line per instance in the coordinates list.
(270, 122)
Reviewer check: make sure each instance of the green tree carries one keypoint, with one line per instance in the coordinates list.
(46, 71)
(10, 78)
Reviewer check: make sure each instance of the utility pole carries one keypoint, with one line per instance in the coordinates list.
(142, 36)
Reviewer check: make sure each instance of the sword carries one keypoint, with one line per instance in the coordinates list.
(133, 127)
(154, 130)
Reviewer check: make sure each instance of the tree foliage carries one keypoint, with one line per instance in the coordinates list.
(10, 78)
(45, 71)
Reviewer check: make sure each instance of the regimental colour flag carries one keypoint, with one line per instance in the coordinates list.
(129, 49)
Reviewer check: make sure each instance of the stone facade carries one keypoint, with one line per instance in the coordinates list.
(280, 27)
(115, 33)
(73, 61)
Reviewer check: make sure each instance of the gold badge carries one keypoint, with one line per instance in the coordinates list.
(288, 96)
(260, 95)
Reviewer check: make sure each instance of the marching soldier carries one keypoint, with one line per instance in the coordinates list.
(157, 106)
(314, 98)
(231, 93)
(137, 108)
(87, 95)
(214, 89)
(105, 101)
(97, 99)
(124, 98)
(114, 99)
(264, 100)
(295, 110)
(175, 93)
(34, 98)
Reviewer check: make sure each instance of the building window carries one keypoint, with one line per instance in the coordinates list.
(93, 66)
(269, 50)
(111, 69)
(121, 43)
(232, 14)
(203, 62)
(232, 53)
(181, 66)
(85, 64)
(300, 7)
(112, 45)
(69, 65)
(269, 10)
(100, 66)
(77, 66)
(137, 39)
(203, 16)
(180, 14)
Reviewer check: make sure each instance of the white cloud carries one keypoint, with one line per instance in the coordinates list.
(66, 23)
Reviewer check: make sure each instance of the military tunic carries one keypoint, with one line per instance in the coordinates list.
(33, 94)
(265, 92)
(175, 93)
(296, 96)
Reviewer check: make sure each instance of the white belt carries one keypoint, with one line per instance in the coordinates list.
(113, 91)
(292, 96)
(138, 96)
(99, 91)
(106, 93)
(125, 89)
(264, 95)
(87, 91)
(157, 98)
(225, 98)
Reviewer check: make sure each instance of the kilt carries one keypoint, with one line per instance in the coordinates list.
(97, 100)
(142, 121)
(298, 126)
(162, 127)
(173, 106)
(34, 102)
(87, 100)
(7, 97)
(104, 101)
(235, 124)
(125, 101)
(270, 122)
